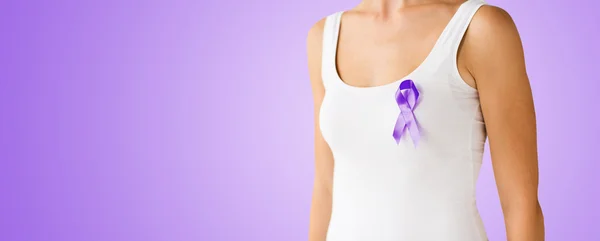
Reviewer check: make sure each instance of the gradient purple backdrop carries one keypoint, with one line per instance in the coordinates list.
(192, 120)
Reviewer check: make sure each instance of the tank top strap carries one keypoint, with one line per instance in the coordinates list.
(329, 48)
(459, 23)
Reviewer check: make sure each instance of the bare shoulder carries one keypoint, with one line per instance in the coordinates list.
(314, 47)
(490, 15)
(315, 35)
(492, 24)
(492, 43)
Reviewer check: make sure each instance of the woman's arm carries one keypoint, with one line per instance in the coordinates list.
(320, 211)
(494, 57)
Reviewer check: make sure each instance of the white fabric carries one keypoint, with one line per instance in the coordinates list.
(384, 191)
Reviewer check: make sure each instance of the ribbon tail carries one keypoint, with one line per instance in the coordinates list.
(399, 129)
(413, 128)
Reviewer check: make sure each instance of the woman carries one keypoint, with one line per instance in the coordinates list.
(405, 94)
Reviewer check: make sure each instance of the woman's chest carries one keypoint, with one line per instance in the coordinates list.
(369, 121)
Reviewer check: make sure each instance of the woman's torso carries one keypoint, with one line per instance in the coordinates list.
(386, 190)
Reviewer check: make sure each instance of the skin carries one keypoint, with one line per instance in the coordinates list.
(382, 41)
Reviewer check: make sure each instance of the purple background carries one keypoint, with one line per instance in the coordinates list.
(190, 120)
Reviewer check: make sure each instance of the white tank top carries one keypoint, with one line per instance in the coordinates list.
(389, 190)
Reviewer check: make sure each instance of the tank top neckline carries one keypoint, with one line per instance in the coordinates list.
(395, 83)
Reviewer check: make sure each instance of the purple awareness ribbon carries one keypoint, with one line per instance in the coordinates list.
(407, 100)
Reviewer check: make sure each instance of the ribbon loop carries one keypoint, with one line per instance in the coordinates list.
(406, 98)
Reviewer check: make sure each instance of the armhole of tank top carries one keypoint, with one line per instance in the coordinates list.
(455, 43)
